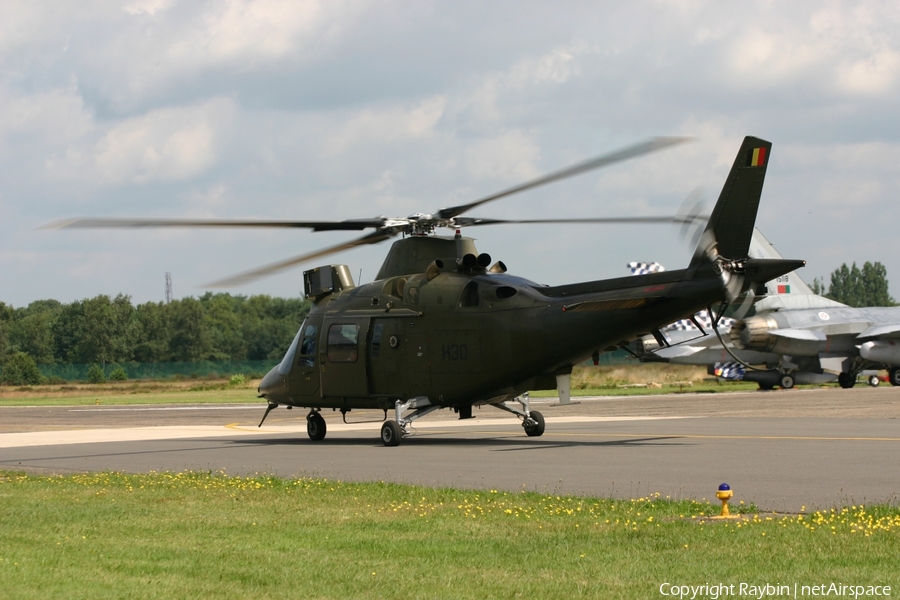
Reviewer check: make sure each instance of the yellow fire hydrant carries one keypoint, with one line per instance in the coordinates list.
(724, 494)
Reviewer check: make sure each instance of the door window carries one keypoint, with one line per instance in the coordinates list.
(342, 342)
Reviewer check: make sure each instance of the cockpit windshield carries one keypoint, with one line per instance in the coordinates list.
(287, 362)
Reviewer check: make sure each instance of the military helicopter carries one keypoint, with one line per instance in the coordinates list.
(443, 326)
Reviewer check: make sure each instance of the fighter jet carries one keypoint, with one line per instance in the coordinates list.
(792, 336)
(843, 340)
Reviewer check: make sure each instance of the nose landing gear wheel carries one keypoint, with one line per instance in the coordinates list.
(537, 428)
(787, 382)
(315, 427)
(391, 434)
(873, 380)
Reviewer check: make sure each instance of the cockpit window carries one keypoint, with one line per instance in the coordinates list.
(287, 362)
(308, 346)
(469, 296)
(342, 342)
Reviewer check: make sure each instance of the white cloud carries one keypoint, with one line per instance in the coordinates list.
(769, 58)
(209, 203)
(383, 126)
(26, 24)
(167, 144)
(45, 117)
(148, 7)
(845, 178)
(549, 70)
(865, 156)
(846, 48)
(871, 75)
(259, 30)
(509, 157)
(845, 195)
(338, 109)
(555, 67)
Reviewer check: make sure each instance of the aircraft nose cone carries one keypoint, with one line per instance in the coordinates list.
(273, 385)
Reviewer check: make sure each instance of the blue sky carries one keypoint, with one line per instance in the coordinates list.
(336, 110)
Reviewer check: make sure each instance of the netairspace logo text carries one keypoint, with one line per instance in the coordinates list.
(715, 591)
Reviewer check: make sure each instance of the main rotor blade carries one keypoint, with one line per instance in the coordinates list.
(248, 276)
(474, 222)
(91, 223)
(646, 147)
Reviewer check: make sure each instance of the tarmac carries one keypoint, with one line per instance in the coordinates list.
(783, 450)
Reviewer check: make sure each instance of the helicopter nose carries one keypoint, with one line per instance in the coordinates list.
(273, 386)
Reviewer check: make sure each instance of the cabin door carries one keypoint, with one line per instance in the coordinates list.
(342, 357)
(419, 363)
(387, 358)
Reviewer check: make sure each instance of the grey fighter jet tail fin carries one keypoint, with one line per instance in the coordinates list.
(731, 224)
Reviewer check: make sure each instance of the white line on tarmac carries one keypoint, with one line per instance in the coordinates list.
(138, 434)
(242, 407)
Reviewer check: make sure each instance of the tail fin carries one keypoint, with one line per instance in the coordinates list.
(788, 291)
(734, 216)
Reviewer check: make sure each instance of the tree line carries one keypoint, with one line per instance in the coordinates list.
(104, 330)
(857, 287)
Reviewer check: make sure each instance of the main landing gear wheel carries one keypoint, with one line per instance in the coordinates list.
(894, 376)
(315, 426)
(787, 381)
(847, 380)
(873, 380)
(391, 433)
(536, 428)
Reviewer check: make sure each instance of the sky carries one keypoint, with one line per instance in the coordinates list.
(332, 110)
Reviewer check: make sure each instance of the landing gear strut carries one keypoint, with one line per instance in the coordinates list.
(393, 431)
(532, 420)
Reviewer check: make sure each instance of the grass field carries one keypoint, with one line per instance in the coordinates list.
(586, 381)
(191, 535)
(131, 392)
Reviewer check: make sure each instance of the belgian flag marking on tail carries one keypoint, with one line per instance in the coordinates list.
(756, 157)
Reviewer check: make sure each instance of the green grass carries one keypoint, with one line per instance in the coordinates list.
(190, 535)
(84, 398)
